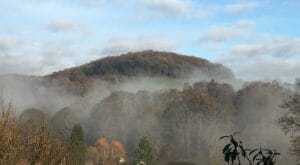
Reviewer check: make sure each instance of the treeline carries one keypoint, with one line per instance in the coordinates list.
(32, 139)
(180, 125)
(185, 124)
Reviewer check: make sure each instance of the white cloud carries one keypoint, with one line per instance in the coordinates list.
(286, 48)
(271, 59)
(10, 28)
(201, 14)
(221, 34)
(244, 23)
(249, 50)
(8, 43)
(236, 8)
(67, 26)
(92, 3)
(240, 30)
(279, 48)
(19, 64)
(36, 58)
(266, 69)
(122, 45)
(177, 7)
(149, 9)
(54, 56)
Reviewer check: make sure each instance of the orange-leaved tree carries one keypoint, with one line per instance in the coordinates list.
(109, 153)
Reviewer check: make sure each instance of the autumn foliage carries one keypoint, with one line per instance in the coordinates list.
(109, 153)
(33, 141)
(10, 137)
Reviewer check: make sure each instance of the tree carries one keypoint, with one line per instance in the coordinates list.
(109, 153)
(291, 124)
(41, 145)
(118, 151)
(32, 119)
(92, 155)
(298, 84)
(166, 154)
(144, 152)
(63, 121)
(103, 151)
(76, 147)
(10, 137)
(21, 143)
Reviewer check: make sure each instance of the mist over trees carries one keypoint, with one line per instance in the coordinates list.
(181, 115)
(191, 119)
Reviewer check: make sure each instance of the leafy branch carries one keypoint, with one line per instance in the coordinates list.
(234, 151)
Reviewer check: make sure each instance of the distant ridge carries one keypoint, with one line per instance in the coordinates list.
(147, 63)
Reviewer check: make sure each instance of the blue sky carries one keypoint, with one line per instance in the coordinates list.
(255, 39)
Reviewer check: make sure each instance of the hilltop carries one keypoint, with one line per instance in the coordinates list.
(144, 63)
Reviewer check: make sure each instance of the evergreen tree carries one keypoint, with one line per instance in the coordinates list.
(144, 152)
(77, 148)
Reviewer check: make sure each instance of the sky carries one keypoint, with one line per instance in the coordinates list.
(257, 40)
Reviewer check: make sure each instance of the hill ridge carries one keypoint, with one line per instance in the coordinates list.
(144, 63)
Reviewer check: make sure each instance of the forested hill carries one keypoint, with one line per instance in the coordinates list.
(182, 119)
(144, 63)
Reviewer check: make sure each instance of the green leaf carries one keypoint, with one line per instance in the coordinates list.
(226, 148)
(233, 155)
(227, 155)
